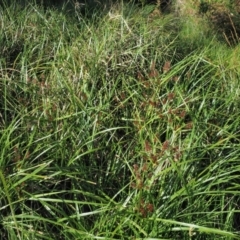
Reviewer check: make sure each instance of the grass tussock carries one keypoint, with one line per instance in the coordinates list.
(117, 125)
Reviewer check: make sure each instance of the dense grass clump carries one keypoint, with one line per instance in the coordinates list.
(119, 124)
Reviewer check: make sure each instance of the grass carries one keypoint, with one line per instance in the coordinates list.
(118, 125)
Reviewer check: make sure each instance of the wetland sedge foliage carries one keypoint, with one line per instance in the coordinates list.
(119, 123)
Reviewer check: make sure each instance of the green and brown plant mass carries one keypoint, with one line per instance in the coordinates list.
(121, 122)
